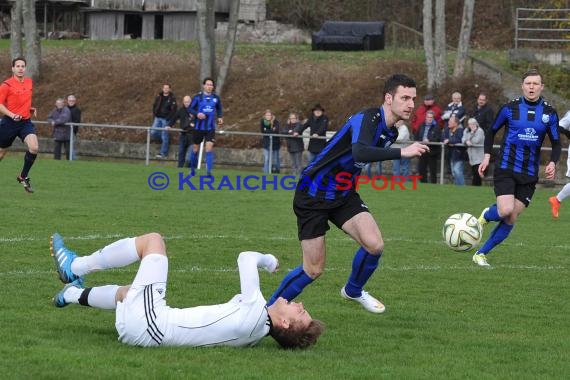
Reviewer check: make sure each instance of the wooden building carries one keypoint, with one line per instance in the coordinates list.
(52, 17)
(158, 19)
(119, 19)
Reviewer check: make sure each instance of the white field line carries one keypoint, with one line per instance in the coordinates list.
(194, 269)
(17, 239)
(389, 268)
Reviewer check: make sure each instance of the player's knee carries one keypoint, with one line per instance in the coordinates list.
(155, 237)
(313, 271)
(121, 293)
(33, 147)
(506, 211)
(154, 243)
(375, 248)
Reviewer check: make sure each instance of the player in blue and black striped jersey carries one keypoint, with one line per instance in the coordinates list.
(206, 107)
(326, 192)
(526, 120)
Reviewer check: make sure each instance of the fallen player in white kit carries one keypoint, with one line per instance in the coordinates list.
(144, 319)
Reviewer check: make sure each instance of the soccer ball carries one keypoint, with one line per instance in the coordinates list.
(462, 232)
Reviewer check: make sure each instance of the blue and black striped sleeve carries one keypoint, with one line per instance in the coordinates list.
(364, 127)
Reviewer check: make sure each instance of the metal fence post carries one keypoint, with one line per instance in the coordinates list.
(147, 153)
(269, 169)
(71, 142)
(442, 165)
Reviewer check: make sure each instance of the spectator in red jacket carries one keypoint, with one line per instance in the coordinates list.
(420, 114)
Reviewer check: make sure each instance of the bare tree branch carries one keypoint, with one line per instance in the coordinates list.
(230, 45)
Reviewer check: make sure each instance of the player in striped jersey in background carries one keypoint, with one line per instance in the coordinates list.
(527, 121)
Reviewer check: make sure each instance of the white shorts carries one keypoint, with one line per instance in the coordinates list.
(137, 316)
(568, 165)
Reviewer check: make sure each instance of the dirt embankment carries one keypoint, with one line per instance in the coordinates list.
(118, 87)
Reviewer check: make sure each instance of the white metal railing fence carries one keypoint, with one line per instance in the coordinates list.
(227, 133)
(541, 25)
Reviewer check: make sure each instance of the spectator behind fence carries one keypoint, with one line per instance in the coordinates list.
(318, 124)
(187, 125)
(483, 113)
(57, 118)
(295, 145)
(401, 166)
(163, 109)
(368, 169)
(474, 135)
(429, 132)
(420, 114)
(271, 144)
(454, 108)
(452, 136)
(75, 112)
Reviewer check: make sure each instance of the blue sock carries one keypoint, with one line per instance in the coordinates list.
(192, 160)
(363, 265)
(209, 161)
(499, 234)
(292, 285)
(492, 215)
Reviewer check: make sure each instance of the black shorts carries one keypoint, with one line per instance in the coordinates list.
(10, 129)
(507, 182)
(199, 136)
(313, 214)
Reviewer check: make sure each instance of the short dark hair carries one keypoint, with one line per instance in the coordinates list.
(18, 59)
(396, 80)
(207, 79)
(295, 336)
(532, 73)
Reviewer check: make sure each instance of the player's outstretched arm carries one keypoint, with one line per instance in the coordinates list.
(414, 150)
(248, 262)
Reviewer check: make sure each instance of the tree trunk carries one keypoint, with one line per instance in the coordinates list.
(16, 30)
(428, 43)
(440, 48)
(205, 40)
(33, 47)
(230, 44)
(211, 33)
(464, 37)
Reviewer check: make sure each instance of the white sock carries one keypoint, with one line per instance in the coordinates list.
(103, 297)
(115, 255)
(72, 294)
(564, 193)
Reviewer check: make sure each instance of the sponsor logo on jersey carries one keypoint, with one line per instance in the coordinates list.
(528, 135)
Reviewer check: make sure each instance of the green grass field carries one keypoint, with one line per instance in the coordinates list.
(445, 318)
